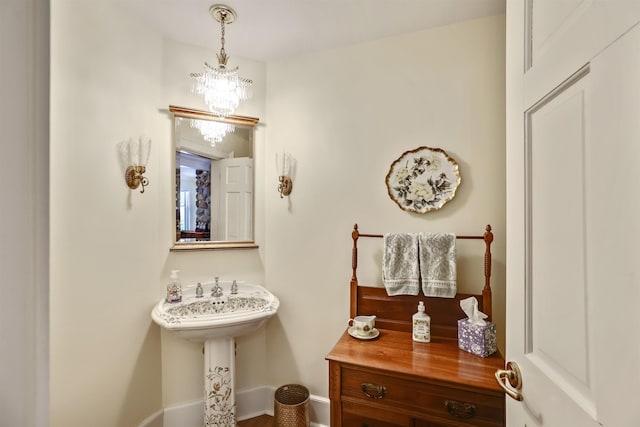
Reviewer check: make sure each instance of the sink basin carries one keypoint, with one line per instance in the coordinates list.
(216, 321)
(199, 319)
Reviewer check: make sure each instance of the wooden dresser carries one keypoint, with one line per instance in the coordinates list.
(392, 381)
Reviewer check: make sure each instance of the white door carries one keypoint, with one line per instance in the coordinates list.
(235, 201)
(573, 211)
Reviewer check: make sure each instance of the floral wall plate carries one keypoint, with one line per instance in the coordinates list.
(423, 179)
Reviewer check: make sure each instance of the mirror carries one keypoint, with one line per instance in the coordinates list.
(213, 181)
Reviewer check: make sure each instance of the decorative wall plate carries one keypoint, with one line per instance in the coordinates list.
(423, 179)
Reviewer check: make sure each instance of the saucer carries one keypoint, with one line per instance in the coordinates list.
(374, 334)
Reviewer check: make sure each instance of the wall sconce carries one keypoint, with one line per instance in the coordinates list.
(283, 166)
(134, 155)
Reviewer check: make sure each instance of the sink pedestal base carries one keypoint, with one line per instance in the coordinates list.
(219, 382)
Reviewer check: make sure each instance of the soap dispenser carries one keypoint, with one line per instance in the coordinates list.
(174, 289)
(421, 325)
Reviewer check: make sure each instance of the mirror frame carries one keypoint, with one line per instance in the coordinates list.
(189, 113)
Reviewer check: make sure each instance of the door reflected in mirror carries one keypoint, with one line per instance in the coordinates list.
(214, 180)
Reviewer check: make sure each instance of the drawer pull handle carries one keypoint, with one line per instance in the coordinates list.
(460, 409)
(373, 391)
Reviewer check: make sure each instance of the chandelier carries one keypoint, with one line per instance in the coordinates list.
(221, 87)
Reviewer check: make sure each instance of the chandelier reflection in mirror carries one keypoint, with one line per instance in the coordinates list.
(221, 87)
(213, 132)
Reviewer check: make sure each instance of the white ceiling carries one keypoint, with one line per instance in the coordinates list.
(273, 29)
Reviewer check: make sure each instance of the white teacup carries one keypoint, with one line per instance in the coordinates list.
(363, 325)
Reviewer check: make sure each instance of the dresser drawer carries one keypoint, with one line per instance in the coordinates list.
(424, 400)
(355, 415)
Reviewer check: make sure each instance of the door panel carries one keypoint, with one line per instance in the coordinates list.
(573, 149)
(551, 22)
(561, 36)
(236, 199)
(557, 294)
(614, 224)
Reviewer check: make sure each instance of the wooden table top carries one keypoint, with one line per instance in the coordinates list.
(439, 361)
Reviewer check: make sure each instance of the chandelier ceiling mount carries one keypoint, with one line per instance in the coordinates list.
(224, 15)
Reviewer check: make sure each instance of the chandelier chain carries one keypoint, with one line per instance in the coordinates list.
(223, 19)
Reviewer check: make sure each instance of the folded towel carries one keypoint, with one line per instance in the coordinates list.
(438, 264)
(400, 269)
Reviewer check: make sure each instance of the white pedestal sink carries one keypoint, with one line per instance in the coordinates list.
(215, 322)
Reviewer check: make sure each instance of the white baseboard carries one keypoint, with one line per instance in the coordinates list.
(154, 420)
(250, 403)
(254, 402)
(319, 411)
(188, 414)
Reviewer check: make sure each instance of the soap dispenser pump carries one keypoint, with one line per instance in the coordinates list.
(174, 289)
(421, 325)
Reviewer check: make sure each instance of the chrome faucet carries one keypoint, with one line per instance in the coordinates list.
(216, 291)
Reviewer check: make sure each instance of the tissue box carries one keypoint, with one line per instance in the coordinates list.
(477, 339)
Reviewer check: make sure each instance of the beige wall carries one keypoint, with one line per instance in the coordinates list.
(345, 115)
(113, 78)
(105, 241)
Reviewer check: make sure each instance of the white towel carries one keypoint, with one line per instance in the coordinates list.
(400, 268)
(438, 264)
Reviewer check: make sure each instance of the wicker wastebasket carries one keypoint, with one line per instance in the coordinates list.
(291, 406)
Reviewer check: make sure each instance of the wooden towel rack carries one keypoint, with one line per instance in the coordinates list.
(393, 312)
